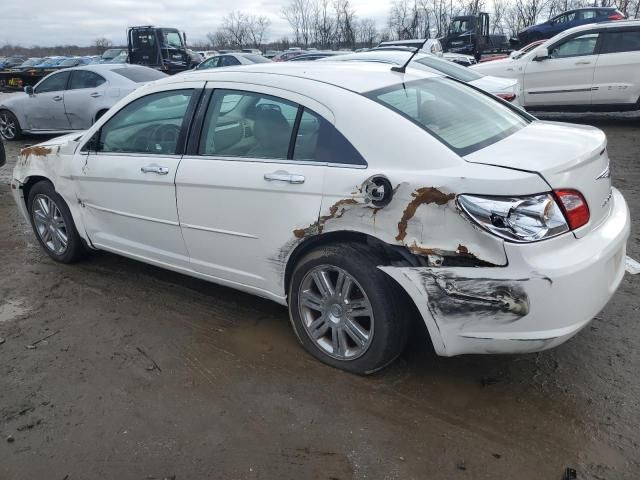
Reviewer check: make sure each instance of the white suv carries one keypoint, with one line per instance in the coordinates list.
(592, 67)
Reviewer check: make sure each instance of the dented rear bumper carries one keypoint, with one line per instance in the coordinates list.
(546, 294)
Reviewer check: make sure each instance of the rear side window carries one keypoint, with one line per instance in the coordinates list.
(85, 79)
(587, 14)
(139, 74)
(319, 141)
(455, 114)
(621, 41)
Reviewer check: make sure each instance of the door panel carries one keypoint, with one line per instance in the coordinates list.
(566, 78)
(84, 95)
(242, 199)
(617, 74)
(45, 109)
(127, 184)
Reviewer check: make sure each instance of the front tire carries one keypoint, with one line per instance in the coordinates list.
(345, 311)
(9, 126)
(53, 224)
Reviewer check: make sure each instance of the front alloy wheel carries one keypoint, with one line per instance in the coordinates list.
(8, 126)
(50, 224)
(336, 312)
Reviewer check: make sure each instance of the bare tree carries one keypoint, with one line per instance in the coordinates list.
(324, 24)
(102, 44)
(367, 32)
(499, 10)
(236, 28)
(345, 34)
(257, 28)
(299, 14)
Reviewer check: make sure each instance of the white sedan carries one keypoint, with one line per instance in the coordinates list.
(359, 196)
(591, 67)
(71, 99)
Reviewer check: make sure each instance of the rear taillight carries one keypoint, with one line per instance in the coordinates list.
(509, 97)
(616, 16)
(574, 207)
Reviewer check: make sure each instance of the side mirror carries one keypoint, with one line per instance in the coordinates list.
(542, 53)
(29, 90)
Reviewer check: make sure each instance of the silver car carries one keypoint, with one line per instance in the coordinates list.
(69, 100)
(232, 59)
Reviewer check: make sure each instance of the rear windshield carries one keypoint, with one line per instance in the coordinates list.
(449, 68)
(139, 74)
(457, 115)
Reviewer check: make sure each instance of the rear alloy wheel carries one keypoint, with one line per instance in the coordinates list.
(9, 126)
(53, 224)
(345, 311)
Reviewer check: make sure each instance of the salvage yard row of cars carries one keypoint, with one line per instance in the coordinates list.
(361, 191)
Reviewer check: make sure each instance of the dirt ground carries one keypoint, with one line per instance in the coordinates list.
(148, 374)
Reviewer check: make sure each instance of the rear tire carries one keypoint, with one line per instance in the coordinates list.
(345, 311)
(9, 126)
(53, 224)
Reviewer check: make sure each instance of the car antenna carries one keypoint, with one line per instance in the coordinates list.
(403, 68)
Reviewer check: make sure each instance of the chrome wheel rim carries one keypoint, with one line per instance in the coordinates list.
(336, 312)
(7, 127)
(50, 224)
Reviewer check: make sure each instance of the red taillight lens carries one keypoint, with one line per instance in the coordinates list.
(616, 16)
(509, 97)
(574, 207)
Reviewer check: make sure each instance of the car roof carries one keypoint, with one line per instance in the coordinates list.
(357, 77)
(598, 26)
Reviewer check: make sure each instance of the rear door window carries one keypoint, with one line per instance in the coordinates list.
(621, 41)
(85, 79)
(317, 140)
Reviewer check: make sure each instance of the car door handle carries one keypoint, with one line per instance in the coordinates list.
(57, 98)
(583, 63)
(155, 169)
(281, 176)
(95, 95)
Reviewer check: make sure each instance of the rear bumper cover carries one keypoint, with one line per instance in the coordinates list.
(546, 294)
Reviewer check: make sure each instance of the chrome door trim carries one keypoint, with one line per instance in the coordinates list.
(217, 230)
(130, 215)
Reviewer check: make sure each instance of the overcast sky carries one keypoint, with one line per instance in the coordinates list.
(56, 22)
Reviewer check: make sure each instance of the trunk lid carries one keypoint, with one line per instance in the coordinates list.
(565, 155)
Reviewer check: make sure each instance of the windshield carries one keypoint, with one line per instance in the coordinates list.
(457, 115)
(460, 26)
(139, 74)
(69, 62)
(449, 68)
(111, 53)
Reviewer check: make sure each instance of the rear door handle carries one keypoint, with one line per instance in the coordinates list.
(57, 98)
(282, 176)
(95, 95)
(155, 169)
(583, 63)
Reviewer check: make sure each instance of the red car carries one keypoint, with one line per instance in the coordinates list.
(515, 53)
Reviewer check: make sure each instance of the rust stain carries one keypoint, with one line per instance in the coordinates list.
(337, 210)
(418, 250)
(36, 151)
(422, 196)
(462, 250)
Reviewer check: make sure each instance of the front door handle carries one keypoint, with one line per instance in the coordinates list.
(282, 176)
(95, 95)
(583, 63)
(57, 98)
(155, 169)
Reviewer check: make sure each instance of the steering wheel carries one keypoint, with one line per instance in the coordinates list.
(162, 134)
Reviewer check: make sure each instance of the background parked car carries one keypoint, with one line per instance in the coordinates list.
(567, 20)
(73, 62)
(515, 53)
(594, 66)
(231, 59)
(71, 99)
(10, 62)
(49, 62)
(252, 50)
(112, 53)
(311, 56)
(505, 88)
(288, 55)
(27, 64)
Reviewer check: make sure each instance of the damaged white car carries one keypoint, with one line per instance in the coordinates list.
(359, 196)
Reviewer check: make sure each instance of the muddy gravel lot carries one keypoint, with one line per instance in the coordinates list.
(115, 369)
